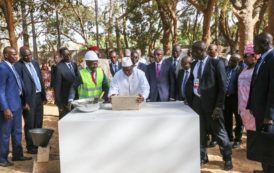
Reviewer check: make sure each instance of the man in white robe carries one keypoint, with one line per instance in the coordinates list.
(129, 82)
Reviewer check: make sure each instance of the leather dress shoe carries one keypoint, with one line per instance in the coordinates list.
(204, 161)
(32, 151)
(6, 164)
(236, 144)
(228, 165)
(212, 144)
(23, 158)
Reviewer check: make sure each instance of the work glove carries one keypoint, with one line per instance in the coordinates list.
(217, 113)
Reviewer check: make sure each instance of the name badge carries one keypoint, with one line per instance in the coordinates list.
(196, 84)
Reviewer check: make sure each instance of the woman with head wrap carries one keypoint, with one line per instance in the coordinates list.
(244, 81)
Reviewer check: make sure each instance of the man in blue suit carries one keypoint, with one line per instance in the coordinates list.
(11, 91)
(30, 73)
(114, 64)
(161, 79)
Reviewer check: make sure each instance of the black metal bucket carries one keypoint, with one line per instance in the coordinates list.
(41, 136)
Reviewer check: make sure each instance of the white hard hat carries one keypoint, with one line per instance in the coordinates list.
(126, 62)
(91, 56)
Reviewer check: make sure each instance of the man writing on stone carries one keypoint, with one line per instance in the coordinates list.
(129, 81)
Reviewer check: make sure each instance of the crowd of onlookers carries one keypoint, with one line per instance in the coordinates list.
(235, 91)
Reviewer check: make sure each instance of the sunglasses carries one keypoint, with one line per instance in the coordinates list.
(248, 55)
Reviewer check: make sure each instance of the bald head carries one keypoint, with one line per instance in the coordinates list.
(263, 42)
(176, 50)
(158, 55)
(234, 60)
(212, 50)
(25, 54)
(186, 62)
(199, 50)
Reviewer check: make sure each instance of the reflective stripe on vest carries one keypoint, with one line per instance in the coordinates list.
(88, 88)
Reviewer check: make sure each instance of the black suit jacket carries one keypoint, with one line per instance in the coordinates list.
(212, 85)
(64, 80)
(142, 67)
(179, 81)
(261, 96)
(164, 87)
(29, 85)
(111, 70)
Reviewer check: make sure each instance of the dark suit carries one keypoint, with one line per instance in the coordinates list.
(179, 82)
(176, 68)
(142, 66)
(163, 88)
(34, 117)
(212, 91)
(231, 105)
(261, 96)
(10, 99)
(65, 79)
(111, 69)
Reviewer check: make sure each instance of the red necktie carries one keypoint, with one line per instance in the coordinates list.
(92, 77)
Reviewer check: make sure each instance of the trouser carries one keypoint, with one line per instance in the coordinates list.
(231, 108)
(218, 130)
(13, 128)
(33, 118)
(267, 168)
(63, 110)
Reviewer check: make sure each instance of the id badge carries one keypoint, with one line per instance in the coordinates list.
(196, 84)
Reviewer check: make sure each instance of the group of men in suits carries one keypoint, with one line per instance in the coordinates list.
(21, 92)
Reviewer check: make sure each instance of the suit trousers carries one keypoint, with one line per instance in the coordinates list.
(13, 128)
(63, 110)
(217, 127)
(231, 108)
(33, 118)
(267, 168)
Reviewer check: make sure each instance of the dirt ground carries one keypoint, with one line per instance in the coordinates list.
(215, 165)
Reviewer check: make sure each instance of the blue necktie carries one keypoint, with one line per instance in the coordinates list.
(116, 68)
(199, 76)
(184, 84)
(35, 77)
(18, 81)
(71, 68)
(229, 74)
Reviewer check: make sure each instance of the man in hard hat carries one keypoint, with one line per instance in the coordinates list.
(129, 81)
(94, 81)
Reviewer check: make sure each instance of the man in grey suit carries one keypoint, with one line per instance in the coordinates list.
(29, 70)
(161, 78)
(175, 59)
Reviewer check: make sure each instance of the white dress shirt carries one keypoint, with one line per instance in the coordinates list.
(195, 74)
(132, 85)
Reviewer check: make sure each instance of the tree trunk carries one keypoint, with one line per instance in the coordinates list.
(58, 30)
(35, 52)
(110, 25)
(194, 35)
(167, 26)
(271, 17)
(118, 41)
(24, 24)
(6, 6)
(207, 19)
(246, 26)
(125, 33)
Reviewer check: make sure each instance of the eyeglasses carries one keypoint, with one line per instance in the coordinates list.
(248, 55)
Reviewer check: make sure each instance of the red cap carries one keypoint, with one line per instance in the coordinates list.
(93, 48)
